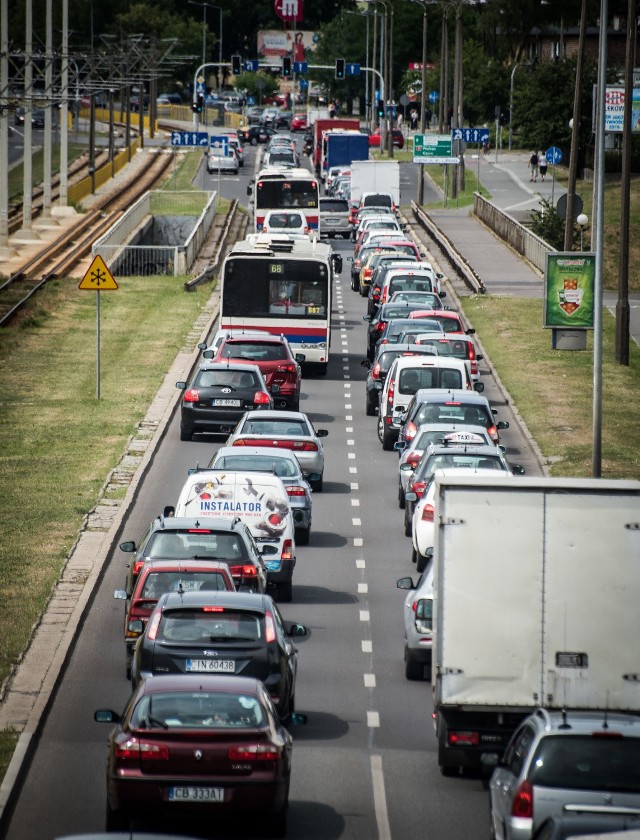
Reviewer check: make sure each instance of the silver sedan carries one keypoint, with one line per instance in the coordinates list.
(222, 163)
(285, 430)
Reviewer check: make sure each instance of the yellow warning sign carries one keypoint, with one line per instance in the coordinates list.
(98, 277)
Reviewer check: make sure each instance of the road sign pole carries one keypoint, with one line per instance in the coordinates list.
(98, 344)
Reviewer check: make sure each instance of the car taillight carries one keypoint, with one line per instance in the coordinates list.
(410, 431)
(418, 488)
(376, 294)
(492, 431)
(427, 513)
(367, 272)
(248, 571)
(380, 326)
(254, 752)
(523, 802)
(375, 373)
(287, 550)
(241, 442)
(390, 393)
(468, 738)
(414, 459)
(191, 396)
(265, 229)
(152, 630)
(260, 398)
(137, 567)
(134, 749)
(270, 626)
(307, 447)
(474, 366)
(288, 370)
(294, 490)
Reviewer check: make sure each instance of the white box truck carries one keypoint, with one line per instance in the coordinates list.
(375, 176)
(536, 593)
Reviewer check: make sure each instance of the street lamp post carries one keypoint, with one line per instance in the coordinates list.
(423, 94)
(583, 221)
(206, 6)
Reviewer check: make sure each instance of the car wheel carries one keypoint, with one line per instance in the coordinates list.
(370, 408)
(276, 825)
(294, 405)
(401, 501)
(355, 285)
(364, 291)
(387, 441)
(408, 525)
(414, 555)
(421, 562)
(302, 536)
(254, 142)
(316, 485)
(116, 820)
(412, 670)
(285, 592)
(321, 370)
(185, 434)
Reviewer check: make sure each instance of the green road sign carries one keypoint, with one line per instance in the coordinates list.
(432, 148)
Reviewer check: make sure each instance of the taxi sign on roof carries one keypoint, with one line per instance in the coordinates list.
(98, 277)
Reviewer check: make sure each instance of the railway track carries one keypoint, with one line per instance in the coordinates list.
(69, 249)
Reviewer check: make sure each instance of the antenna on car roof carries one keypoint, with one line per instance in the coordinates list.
(564, 724)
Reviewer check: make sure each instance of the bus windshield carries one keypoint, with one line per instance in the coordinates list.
(259, 287)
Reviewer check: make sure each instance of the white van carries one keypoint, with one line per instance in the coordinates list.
(409, 374)
(260, 500)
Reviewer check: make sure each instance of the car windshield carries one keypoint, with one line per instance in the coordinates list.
(157, 583)
(259, 351)
(184, 544)
(582, 762)
(452, 412)
(197, 710)
(412, 379)
(206, 625)
(275, 427)
(282, 467)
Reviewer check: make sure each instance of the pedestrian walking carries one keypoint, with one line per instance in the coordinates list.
(428, 116)
(400, 121)
(414, 119)
(533, 165)
(542, 165)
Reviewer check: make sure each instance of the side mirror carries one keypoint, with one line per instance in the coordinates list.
(106, 716)
(366, 318)
(366, 364)
(470, 331)
(439, 275)
(300, 357)
(411, 497)
(406, 467)
(322, 433)
(405, 583)
(297, 630)
(136, 626)
(169, 511)
(443, 294)
(516, 469)
(479, 357)
(202, 345)
(181, 385)
(400, 445)
(297, 719)
(503, 424)
(129, 547)
(479, 387)
(120, 595)
(208, 354)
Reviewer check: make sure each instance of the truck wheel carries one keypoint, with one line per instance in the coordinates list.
(412, 670)
(321, 370)
(445, 769)
(302, 536)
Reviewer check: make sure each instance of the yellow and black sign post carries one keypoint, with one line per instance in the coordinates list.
(98, 277)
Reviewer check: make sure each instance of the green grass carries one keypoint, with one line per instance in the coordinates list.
(553, 389)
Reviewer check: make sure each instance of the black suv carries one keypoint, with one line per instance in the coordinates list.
(179, 538)
(212, 633)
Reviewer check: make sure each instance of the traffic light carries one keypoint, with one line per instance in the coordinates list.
(236, 61)
(339, 68)
(286, 66)
(380, 108)
(198, 105)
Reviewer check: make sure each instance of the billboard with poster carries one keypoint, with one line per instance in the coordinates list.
(569, 281)
(614, 109)
(274, 43)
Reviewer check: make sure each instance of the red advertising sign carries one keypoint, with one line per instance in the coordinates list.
(291, 11)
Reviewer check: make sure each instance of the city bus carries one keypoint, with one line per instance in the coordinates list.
(280, 189)
(283, 285)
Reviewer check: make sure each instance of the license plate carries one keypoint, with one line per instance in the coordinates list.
(226, 666)
(196, 794)
(227, 403)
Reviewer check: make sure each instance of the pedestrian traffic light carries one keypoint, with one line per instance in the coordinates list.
(286, 66)
(236, 61)
(198, 105)
(339, 68)
(380, 108)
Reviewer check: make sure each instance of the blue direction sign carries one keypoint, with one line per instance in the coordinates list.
(352, 69)
(470, 135)
(300, 66)
(219, 142)
(189, 138)
(553, 155)
(434, 96)
(200, 87)
(303, 84)
(250, 66)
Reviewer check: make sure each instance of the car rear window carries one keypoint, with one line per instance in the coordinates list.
(456, 412)
(334, 205)
(409, 283)
(203, 624)
(259, 351)
(275, 427)
(205, 544)
(226, 378)
(197, 710)
(412, 379)
(285, 220)
(157, 583)
(378, 200)
(452, 460)
(449, 347)
(580, 762)
(281, 467)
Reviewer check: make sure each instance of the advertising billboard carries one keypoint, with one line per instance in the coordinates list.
(569, 280)
(614, 105)
(274, 43)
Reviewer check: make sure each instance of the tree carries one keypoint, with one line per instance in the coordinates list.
(259, 85)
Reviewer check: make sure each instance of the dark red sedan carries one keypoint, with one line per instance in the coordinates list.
(298, 122)
(198, 746)
(398, 138)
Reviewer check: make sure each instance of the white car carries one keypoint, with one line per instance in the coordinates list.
(285, 430)
(223, 163)
(424, 511)
(417, 613)
(290, 222)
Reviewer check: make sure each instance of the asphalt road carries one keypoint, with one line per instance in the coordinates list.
(365, 764)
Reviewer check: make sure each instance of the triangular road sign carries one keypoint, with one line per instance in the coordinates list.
(98, 277)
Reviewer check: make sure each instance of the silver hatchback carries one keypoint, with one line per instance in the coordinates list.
(565, 762)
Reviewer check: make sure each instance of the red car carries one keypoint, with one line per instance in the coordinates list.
(298, 122)
(450, 321)
(276, 361)
(196, 747)
(398, 138)
(160, 576)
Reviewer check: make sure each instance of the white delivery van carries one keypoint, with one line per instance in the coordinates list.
(261, 501)
(407, 375)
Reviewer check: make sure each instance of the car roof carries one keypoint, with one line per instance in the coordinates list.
(456, 395)
(254, 601)
(257, 414)
(186, 523)
(584, 721)
(164, 565)
(233, 365)
(285, 454)
(194, 682)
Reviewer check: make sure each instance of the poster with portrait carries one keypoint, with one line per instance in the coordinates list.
(274, 43)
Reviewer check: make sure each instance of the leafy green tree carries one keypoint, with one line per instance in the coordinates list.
(259, 85)
(548, 224)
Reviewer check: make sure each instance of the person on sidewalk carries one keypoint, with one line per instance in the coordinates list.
(533, 165)
(542, 165)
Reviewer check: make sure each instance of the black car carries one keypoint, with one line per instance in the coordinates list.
(379, 369)
(183, 538)
(379, 321)
(396, 327)
(212, 633)
(256, 134)
(218, 396)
